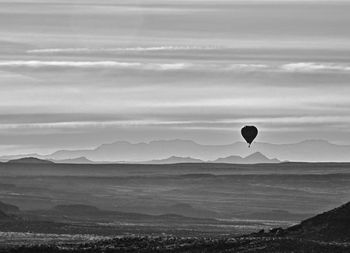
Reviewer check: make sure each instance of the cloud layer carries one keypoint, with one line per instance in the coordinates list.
(125, 49)
(288, 67)
(83, 73)
(314, 67)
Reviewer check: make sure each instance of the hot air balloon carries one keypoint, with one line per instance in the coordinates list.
(249, 133)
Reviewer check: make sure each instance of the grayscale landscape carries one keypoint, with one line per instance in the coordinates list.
(175, 126)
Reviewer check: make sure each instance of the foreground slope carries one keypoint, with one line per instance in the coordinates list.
(324, 233)
(333, 225)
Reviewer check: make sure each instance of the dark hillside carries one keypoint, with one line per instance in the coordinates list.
(3, 216)
(7, 208)
(333, 225)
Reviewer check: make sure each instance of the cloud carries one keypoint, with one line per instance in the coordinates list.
(95, 64)
(247, 67)
(204, 66)
(303, 67)
(120, 49)
(314, 67)
(270, 121)
(92, 124)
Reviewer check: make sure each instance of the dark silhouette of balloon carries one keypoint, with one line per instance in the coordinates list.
(249, 133)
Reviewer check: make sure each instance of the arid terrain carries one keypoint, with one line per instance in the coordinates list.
(180, 207)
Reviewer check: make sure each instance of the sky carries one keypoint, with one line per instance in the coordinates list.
(76, 74)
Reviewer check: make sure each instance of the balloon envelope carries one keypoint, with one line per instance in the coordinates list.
(249, 133)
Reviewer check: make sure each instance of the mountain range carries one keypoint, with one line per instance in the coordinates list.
(29, 160)
(256, 157)
(78, 160)
(251, 159)
(173, 159)
(122, 151)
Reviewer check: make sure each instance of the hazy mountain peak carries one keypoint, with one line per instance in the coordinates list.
(174, 159)
(316, 141)
(78, 160)
(256, 157)
(30, 160)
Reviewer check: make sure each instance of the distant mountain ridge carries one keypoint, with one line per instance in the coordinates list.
(257, 157)
(78, 160)
(305, 151)
(251, 159)
(254, 158)
(311, 150)
(174, 159)
(32, 160)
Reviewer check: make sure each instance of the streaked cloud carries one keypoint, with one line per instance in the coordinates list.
(247, 67)
(312, 66)
(223, 123)
(288, 67)
(94, 64)
(125, 49)
(135, 65)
